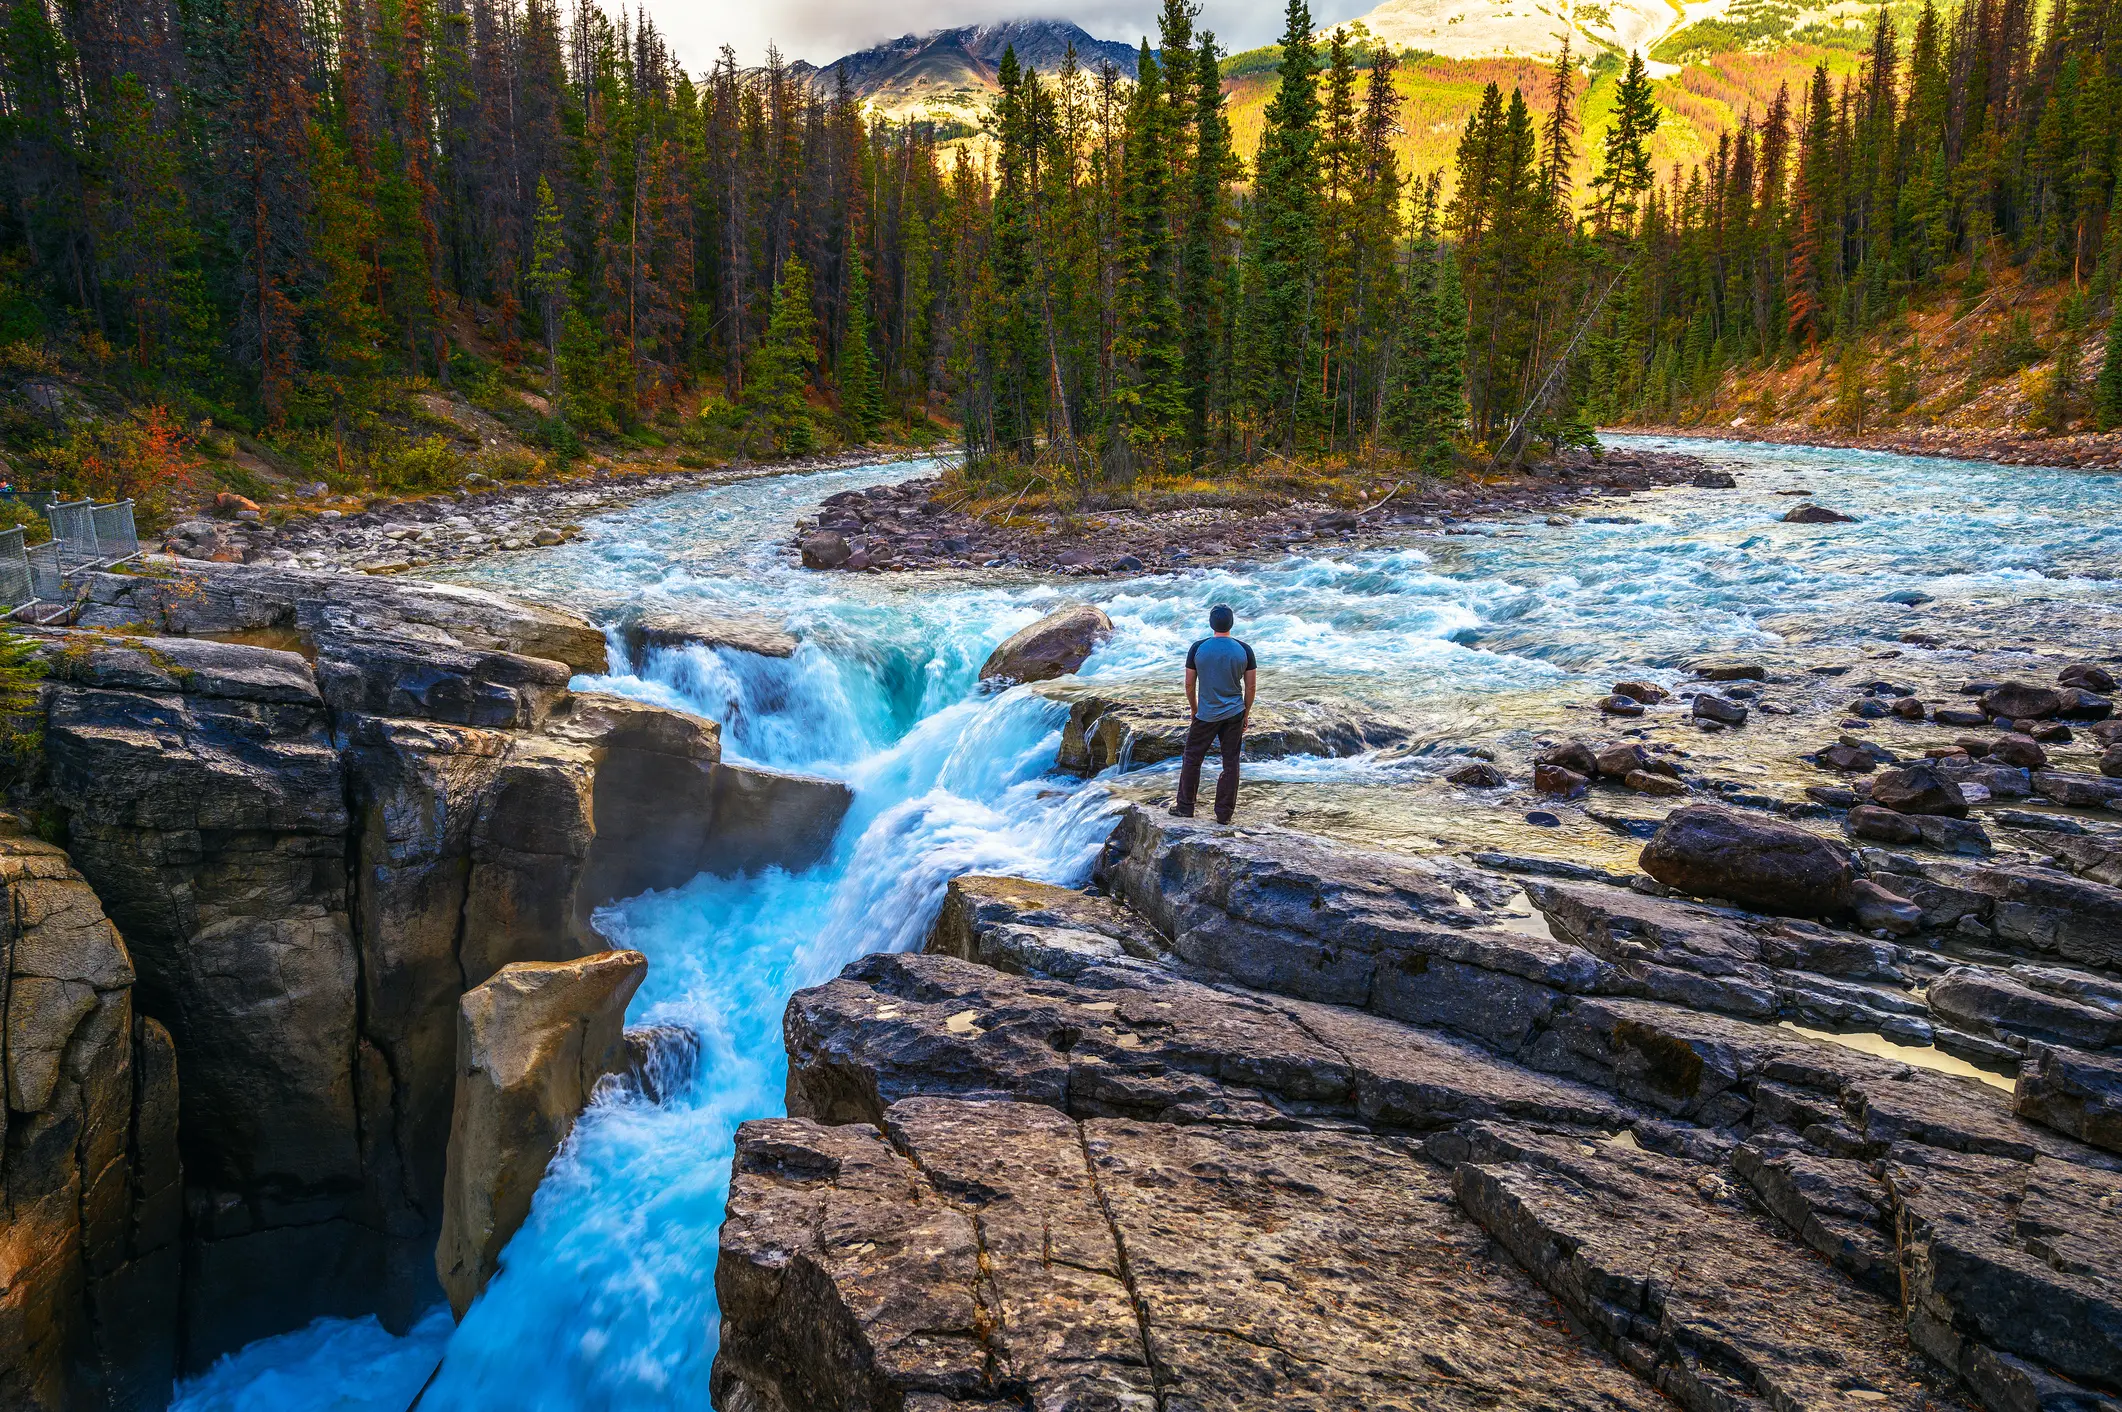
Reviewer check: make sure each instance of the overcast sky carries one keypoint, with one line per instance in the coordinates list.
(823, 30)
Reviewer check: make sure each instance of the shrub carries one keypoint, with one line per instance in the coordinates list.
(146, 458)
(430, 463)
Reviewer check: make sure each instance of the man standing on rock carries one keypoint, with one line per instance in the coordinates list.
(1220, 678)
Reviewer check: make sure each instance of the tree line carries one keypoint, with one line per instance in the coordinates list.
(281, 211)
(284, 209)
(1981, 142)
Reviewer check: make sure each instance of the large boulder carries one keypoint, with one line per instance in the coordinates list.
(532, 1044)
(1774, 867)
(1052, 647)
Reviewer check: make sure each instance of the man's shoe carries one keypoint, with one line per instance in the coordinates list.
(1178, 813)
(1222, 818)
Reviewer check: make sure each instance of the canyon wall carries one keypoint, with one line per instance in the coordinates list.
(318, 810)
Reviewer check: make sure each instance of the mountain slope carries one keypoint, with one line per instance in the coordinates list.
(949, 74)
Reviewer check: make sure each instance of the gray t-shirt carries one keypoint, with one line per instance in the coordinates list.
(1219, 665)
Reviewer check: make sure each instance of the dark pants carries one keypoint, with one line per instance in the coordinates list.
(1228, 735)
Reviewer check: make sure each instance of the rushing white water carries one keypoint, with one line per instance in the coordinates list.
(605, 1299)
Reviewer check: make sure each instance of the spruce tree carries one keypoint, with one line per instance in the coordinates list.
(855, 372)
(2107, 392)
(1625, 173)
(775, 408)
(1282, 252)
(1206, 263)
(1150, 402)
(548, 278)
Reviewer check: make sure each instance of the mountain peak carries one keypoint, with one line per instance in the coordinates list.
(949, 74)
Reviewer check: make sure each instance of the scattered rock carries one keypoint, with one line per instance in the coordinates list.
(1714, 480)
(1645, 782)
(1574, 755)
(2087, 676)
(2077, 790)
(1479, 775)
(1620, 706)
(1849, 759)
(1558, 781)
(1730, 669)
(2075, 704)
(1869, 821)
(1720, 710)
(2020, 751)
(2021, 701)
(1054, 646)
(1774, 867)
(1810, 514)
(229, 503)
(1642, 691)
(1918, 789)
(826, 550)
(1873, 908)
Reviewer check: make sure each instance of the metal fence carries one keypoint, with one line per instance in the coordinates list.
(16, 588)
(74, 531)
(116, 539)
(84, 536)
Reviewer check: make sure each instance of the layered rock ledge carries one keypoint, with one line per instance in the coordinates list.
(1261, 1121)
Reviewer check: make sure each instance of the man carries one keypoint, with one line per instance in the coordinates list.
(1220, 678)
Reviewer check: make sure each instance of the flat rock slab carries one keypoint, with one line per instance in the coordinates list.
(1686, 1283)
(1134, 1041)
(1000, 1254)
(1013, 924)
(676, 631)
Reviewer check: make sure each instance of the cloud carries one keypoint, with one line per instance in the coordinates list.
(823, 30)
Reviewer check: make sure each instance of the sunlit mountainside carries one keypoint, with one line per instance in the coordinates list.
(1713, 60)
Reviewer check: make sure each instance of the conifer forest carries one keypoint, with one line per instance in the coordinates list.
(283, 219)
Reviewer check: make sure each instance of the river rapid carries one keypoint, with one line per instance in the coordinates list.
(1479, 633)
